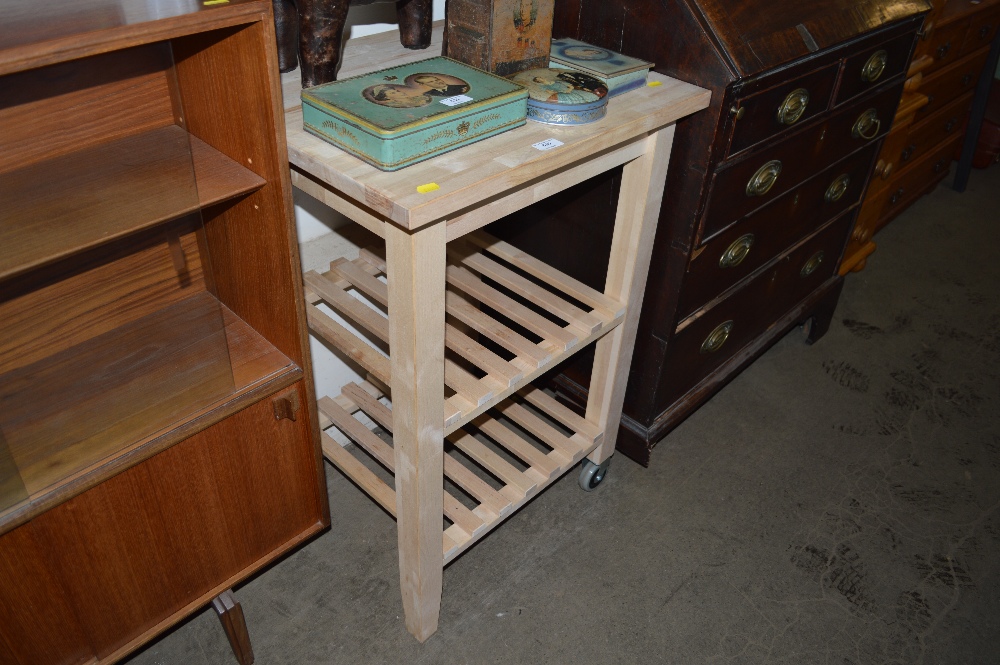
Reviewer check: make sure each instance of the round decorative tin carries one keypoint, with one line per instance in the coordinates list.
(563, 97)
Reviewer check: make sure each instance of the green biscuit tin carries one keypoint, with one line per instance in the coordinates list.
(402, 115)
(620, 73)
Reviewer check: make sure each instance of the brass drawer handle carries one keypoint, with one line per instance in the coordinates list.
(737, 251)
(814, 262)
(883, 169)
(837, 188)
(875, 66)
(717, 337)
(737, 111)
(942, 50)
(908, 152)
(793, 107)
(867, 125)
(765, 177)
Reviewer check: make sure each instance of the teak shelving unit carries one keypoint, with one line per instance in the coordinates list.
(157, 439)
(466, 312)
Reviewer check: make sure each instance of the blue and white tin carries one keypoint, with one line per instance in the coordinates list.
(620, 73)
(563, 96)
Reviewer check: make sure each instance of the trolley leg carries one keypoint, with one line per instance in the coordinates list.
(416, 275)
(631, 248)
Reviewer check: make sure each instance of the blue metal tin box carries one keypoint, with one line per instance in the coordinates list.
(620, 73)
(403, 115)
(563, 97)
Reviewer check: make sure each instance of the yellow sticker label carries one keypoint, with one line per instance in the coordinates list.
(429, 187)
(208, 3)
(653, 84)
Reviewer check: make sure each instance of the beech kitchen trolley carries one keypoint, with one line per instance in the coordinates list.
(472, 321)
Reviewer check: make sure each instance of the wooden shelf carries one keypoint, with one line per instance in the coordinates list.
(498, 468)
(74, 202)
(71, 414)
(490, 292)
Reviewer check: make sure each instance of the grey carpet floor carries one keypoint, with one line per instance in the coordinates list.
(835, 504)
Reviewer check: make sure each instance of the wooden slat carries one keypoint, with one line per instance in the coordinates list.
(348, 343)
(366, 283)
(348, 305)
(527, 352)
(562, 446)
(518, 446)
(383, 453)
(371, 484)
(565, 310)
(486, 360)
(361, 435)
(368, 403)
(453, 469)
(465, 384)
(560, 413)
(478, 488)
(493, 463)
(458, 379)
(461, 516)
(550, 332)
(548, 274)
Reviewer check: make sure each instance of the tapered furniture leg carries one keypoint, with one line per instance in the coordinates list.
(416, 276)
(631, 248)
(414, 22)
(231, 615)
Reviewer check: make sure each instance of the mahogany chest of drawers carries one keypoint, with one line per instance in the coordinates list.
(764, 185)
(927, 133)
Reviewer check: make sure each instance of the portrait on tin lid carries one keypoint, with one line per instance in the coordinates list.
(585, 53)
(561, 86)
(416, 90)
(438, 85)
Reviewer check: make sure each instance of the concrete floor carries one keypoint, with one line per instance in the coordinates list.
(834, 504)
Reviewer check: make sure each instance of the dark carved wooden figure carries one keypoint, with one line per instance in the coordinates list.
(317, 26)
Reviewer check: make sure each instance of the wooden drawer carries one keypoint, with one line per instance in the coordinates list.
(920, 177)
(758, 238)
(929, 132)
(691, 354)
(945, 45)
(873, 66)
(787, 163)
(981, 31)
(950, 83)
(788, 104)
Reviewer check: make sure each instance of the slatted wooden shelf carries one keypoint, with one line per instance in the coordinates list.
(494, 292)
(483, 471)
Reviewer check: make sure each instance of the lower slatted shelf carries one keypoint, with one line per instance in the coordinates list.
(494, 465)
(509, 318)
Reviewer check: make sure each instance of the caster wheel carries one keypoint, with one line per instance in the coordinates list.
(592, 475)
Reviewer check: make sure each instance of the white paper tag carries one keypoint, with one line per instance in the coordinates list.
(547, 144)
(456, 100)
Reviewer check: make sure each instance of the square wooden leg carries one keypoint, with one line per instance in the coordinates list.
(416, 275)
(631, 248)
(231, 615)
